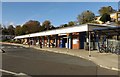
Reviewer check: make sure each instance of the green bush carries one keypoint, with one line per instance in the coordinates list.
(6, 40)
(11, 41)
(17, 41)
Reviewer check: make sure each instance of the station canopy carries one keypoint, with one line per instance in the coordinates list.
(107, 31)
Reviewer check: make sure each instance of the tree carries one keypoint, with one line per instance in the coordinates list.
(11, 30)
(5, 31)
(85, 17)
(18, 30)
(105, 17)
(25, 29)
(63, 25)
(31, 27)
(106, 9)
(71, 23)
(46, 24)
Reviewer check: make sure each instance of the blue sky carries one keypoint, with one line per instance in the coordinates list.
(57, 12)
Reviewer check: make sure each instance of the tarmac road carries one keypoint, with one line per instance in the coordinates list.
(31, 62)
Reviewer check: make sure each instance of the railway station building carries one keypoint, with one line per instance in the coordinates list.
(75, 37)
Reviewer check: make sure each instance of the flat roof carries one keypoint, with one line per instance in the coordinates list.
(72, 29)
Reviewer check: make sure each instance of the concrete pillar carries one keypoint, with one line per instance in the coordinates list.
(43, 43)
(97, 40)
(40, 41)
(87, 36)
(70, 41)
(79, 39)
(56, 40)
(87, 41)
(118, 37)
(34, 39)
(89, 44)
(48, 38)
(29, 41)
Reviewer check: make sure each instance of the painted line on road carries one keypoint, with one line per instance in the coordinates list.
(13, 73)
(15, 47)
(104, 66)
(21, 47)
(8, 47)
(2, 47)
(112, 68)
(116, 69)
(8, 72)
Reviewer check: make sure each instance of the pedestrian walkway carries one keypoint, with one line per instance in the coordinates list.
(105, 60)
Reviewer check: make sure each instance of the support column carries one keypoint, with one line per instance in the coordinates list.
(34, 40)
(97, 40)
(79, 36)
(117, 37)
(48, 38)
(56, 40)
(40, 42)
(37, 41)
(29, 41)
(89, 44)
(43, 41)
(87, 41)
(70, 41)
(67, 42)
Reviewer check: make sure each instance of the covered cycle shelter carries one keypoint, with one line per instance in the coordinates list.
(108, 39)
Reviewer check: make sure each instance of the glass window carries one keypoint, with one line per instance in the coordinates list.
(118, 15)
(118, 19)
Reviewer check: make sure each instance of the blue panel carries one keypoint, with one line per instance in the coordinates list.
(82, 39)
(62, 43)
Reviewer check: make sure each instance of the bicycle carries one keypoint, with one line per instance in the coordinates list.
(102, 48)
(117, 49)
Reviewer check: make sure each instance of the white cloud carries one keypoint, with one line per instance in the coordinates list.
(10, 23)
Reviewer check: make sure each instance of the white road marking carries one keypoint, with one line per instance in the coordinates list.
(2, 47)
(8, 47)
(8, 72)
(15, 47)
(21, 47)
(0, 51)
(13, 73)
